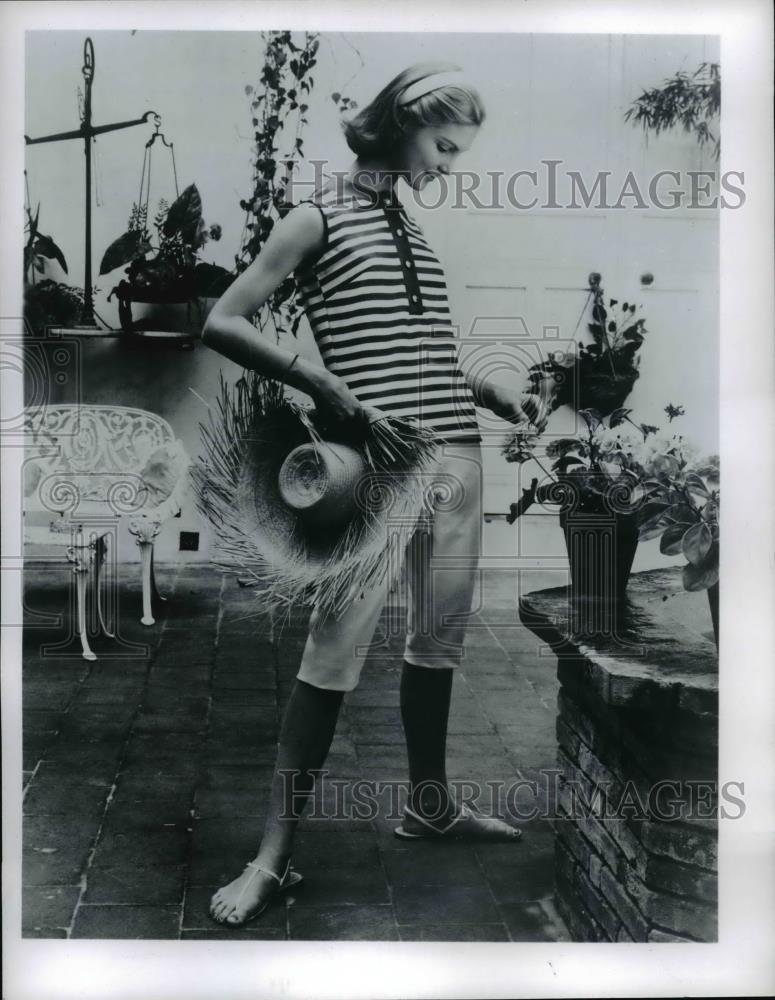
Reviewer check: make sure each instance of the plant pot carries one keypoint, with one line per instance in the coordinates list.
(713, 602)
(603, 391)
(589, 385)
(601, 549)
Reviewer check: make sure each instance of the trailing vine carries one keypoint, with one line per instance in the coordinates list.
(279, 107)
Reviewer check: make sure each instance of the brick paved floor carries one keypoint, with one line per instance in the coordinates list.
(146, 775)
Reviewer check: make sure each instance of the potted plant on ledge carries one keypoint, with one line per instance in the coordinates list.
(615, 488)
(46, 302)
(599, 498)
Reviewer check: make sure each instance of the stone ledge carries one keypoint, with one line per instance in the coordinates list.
(662, 659)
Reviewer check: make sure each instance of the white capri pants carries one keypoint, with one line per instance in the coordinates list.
(442, 560)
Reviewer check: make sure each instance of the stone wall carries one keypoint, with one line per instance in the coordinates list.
(636, 856)
(637, 748)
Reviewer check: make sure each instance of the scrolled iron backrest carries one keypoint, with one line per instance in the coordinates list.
(92, 452)
(103, 439)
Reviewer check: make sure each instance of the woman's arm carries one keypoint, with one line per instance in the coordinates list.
(229, 331)
(514, 405)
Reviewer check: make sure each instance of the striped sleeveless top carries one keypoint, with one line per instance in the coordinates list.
(376, 301)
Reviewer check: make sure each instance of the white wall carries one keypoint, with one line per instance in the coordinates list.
(547, 96)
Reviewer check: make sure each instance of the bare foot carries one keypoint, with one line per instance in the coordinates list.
(250, 893)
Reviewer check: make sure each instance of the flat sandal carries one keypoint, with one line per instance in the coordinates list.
(289, 879)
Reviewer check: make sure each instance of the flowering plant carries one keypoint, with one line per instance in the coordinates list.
(593, 467)
(673, 492)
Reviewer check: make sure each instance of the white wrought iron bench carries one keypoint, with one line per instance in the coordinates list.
(88, 466)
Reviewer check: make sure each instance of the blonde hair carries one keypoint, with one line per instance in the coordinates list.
(376, 129)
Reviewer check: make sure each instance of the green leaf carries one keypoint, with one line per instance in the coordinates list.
(597, 331)
(562, 463)
(709, 469)
(591, 418)
(618, 416)
(681, 513)
(34, 222)
(46, 247)
(704, 575)
(561, 446)
(652, 528)
(697, 542)
(666, 465)
(123, 250)
(184, 215)
(695, 485)
(672, 539)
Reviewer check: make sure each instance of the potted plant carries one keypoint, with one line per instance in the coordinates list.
(644, 484)
(600, 375)
(174, 273)
(599, 496)
(46, 302)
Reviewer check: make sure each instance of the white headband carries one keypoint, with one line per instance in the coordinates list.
(429, 83)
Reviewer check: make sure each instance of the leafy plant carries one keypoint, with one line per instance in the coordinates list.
(682, 510)
(692, 101)
(46, 302)
(52, 303)
(587, 470)
(278, 107)
(38, 248)
(606, 369)
(175, 273)
(673, 493)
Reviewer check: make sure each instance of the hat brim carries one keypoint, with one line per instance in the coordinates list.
(289, 560)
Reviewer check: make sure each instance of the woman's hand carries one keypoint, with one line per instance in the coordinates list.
(521, 407)
(338, 408)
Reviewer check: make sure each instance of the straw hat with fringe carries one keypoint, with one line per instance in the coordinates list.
(303, 519)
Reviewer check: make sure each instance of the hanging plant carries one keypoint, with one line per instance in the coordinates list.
(180, 235)
(278, 108)
(692, 101)
(600, 375)
(175, 274)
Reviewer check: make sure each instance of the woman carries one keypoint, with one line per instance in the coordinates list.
(376, 300)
